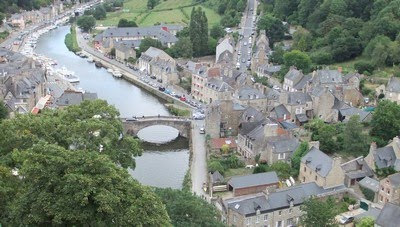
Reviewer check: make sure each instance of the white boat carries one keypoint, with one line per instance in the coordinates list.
(117, 74)
(110, 70)
(68, 75)
(90, 60)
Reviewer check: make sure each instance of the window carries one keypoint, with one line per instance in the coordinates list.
(305, 169)
(316, 178)
(281, 156)
(289, 222)
(280, 213)
(304, 179)
(257, 219)
(382, 188)
(265, 217)
(381, 199)
(248, 221)
(388, 191)
(279, 224)
(290, 211)
(234, 218)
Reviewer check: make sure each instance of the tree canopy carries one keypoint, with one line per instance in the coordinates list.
(66, 167)
(125, 23)
(86, 23)
(274, 28)
(198, 31)
(299, 59)
(385, 123)
(318, 213)
(3, 111)
(186, 209)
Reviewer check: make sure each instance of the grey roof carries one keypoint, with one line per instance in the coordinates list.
(389, 216)
(302, 83)
(250, 93)
(283, 144)
(384, 157)
(395, 180)
(74, 98)
(237, 106)
(352, 111)
(128, 43)
(318, 161)
(296, 98)
(393, 85)
(280, 111)
(248, 205)
(302, 118)
(246, 127)
(217, 177)
(328, 77)
(272, 94)
(372, 212)
(254, 180)
(369, 183)
(253, 115)
(337, 105)
(218, 85)
(270, 69)
(294, 75)
(357, 168)
(153, 31)
(288, 125)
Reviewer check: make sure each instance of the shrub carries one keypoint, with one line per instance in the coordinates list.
(321, 57)
(364, 66)
(369, 194)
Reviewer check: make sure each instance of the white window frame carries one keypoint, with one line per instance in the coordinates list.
(248, 220)
(280, 157)
(265, 217)
(258, 219)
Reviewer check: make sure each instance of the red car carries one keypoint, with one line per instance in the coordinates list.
(183, 98)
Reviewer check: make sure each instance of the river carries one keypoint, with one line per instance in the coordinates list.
(159, 166)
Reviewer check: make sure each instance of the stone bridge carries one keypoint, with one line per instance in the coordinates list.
(133, 125)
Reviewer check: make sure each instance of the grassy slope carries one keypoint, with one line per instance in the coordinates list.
(167, 11)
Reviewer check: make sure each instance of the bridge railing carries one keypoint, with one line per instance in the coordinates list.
(155, 117)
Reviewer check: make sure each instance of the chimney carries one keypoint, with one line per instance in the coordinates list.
(337, 161)
(372, 147)
(396, 139)
(314, 144)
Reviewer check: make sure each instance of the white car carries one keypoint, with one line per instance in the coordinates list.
(245, 43)
(275, 87)
(202, 131)
(237, 65)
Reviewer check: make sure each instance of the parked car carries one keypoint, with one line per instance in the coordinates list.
(159, 80)
(153, 77)
(161, 88)
(183, 98)
(346, 219)
(245, 43)
(167, 91)
(177, 96)
(202, 131)
(199, 116)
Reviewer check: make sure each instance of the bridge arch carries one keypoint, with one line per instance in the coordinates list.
(133, 126)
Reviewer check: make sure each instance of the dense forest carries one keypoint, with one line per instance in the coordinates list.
(230, 10)
(339, 30)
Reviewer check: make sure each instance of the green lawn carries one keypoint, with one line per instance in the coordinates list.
(166, 12)
(238, 172)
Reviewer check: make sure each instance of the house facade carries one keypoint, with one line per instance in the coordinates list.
(389, 189)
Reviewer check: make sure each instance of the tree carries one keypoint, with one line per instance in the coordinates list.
(198, 32)
(299, 59)
(298, 155)
(183, 48)
(92, 126)
(146, 43)
(282, 169)
(364, 66)
(152, 3)
(186, 209)
(3, 111)
(76, 188)
(217, 31)
(225, 149)
(274, 28)
(318, 213)
(277, 55)
(365, 222)
(302, 40)
(354, 140)
(324, 133)
(99, 12)
(86, 23)
(385, 123)
(125, 23)
(215, 165)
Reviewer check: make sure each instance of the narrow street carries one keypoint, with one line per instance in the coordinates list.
(199, 159)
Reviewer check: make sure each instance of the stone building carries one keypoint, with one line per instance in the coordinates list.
(389, 216)
(318, 167)
(248, 96)
(392, 90)
(298, 104)
(124, 51)
(262, 50)
(356, 170)
(224, 50)
(384, 157)
(253, 183)
(217, 89)
(295, 80)
(279, 148)
(17, 20)
(223, 118)
(280, 208)
(158, 63)
(389, 189)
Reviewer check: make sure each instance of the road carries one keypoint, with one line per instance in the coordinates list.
(247, 31)
(199, 160)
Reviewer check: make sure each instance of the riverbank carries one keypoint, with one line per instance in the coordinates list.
(70, 40)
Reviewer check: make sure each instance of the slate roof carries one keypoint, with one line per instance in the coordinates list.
(384, 157)
(372, 212)
(253, 180)
(296, 98)
(153, 31)
(246, 127)
(218, 85)
(316, 159)
(395, 180)
(272, 94)
(369, 183)
(393, 85)
(302, 118)
(252, 114)
(327, 77)
(389, 216)
(270, 69)
(74, 98)
(249, 93)
(217, 177)
(280, 111)
(294, 75)
(357, 168)
(352, 111)
(281, 199)
(283, 144)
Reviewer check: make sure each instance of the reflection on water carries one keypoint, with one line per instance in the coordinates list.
(158, 134)
(161, 169)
